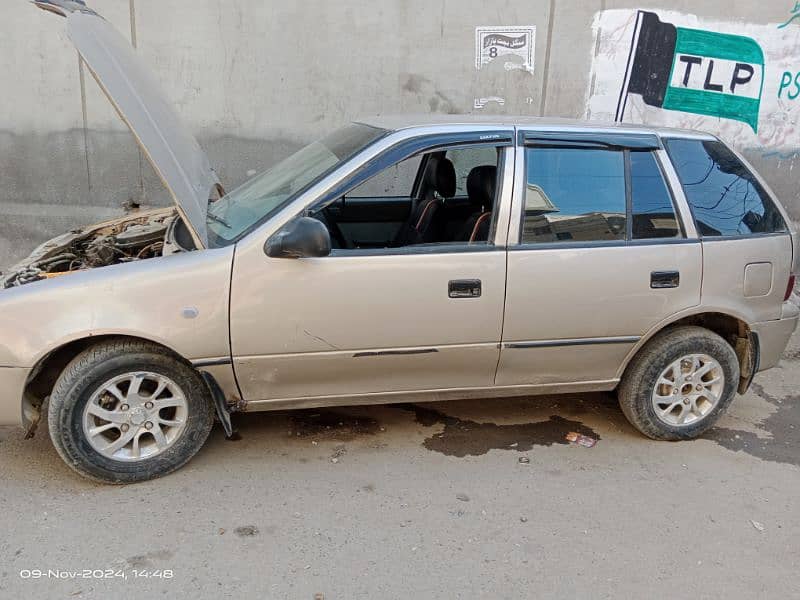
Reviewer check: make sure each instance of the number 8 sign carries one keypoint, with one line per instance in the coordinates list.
(516, 44)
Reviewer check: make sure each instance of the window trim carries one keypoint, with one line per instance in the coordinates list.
(628, 195)
(629, 240)
(606, 244)
(749, 236)
(416, 250)
(607, 140)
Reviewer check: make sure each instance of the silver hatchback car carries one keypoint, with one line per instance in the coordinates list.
(395, 260)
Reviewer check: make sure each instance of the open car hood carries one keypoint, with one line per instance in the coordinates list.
(124, 77)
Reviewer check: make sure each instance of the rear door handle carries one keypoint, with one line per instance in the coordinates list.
(660, 280)
(464, 288)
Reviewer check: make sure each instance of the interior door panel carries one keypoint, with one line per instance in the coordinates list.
(370, 222)
(379, 210)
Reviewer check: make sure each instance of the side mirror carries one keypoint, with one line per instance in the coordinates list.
(303, 238)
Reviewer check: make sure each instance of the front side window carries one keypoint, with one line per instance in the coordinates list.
(241, 210)
(394, 182)
(433, 200)
(466, 159)
(574, 195)
(726, 199)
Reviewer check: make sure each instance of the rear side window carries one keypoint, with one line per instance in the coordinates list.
(651, 201)
(574, 194)
(725, 197)
(581, 195)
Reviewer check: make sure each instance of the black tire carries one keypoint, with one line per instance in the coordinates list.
(98, 364)
(640, 378)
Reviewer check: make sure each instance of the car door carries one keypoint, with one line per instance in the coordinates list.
(373, 320)
(598, 256)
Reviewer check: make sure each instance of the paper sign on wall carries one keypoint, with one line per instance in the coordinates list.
(513, 45)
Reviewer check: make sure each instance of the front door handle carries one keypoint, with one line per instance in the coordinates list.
(660, 280)
(464, 288)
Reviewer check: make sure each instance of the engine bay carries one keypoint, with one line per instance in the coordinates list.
(137, 236)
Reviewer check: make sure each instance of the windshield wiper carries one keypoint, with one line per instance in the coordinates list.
(218, 219)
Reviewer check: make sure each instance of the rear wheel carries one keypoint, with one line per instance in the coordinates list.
(679, 384)
(127, 411)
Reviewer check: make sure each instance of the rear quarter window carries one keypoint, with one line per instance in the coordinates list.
(725, 197)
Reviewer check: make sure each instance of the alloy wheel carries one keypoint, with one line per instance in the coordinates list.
(688, 390)
(135, 416)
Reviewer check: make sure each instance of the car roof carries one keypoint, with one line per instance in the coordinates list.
(399, 122)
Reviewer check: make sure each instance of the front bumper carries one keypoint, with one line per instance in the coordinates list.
(773, 336)
(12, 386)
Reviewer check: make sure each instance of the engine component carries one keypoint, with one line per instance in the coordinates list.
(100, 251)
(141, 235)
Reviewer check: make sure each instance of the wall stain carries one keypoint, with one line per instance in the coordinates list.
(783, 425)
(462, 437)
(411, 83)
(421, 87)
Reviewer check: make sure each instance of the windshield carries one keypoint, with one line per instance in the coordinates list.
(249, 205)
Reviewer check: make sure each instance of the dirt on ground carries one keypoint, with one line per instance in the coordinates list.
(477, 499)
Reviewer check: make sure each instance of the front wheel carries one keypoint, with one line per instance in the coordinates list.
(679, 384)
(125, 411)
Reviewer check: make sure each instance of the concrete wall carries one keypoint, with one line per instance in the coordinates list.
(256, 79)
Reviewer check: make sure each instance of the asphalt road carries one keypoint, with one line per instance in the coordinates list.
(451, 500)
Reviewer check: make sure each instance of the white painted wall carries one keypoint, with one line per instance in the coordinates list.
(255, 79)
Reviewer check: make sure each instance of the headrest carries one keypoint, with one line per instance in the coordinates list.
(481, 183)
(441, 176)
